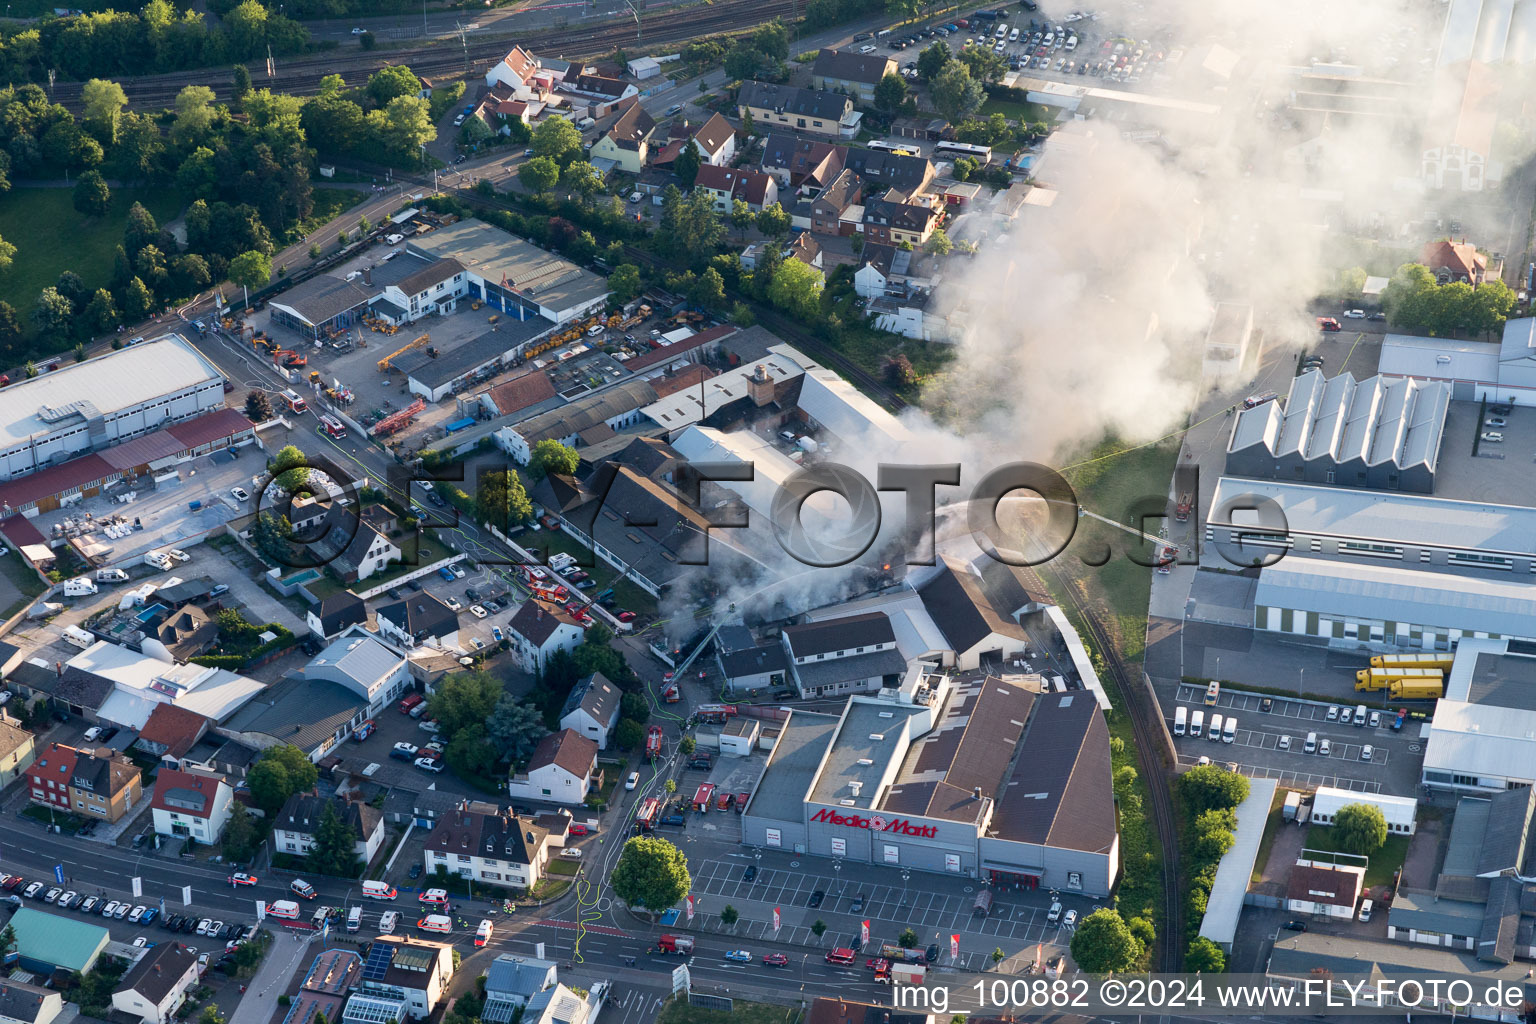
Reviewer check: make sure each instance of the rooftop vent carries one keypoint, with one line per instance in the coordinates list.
(865, 760)
(887, 714)
(878, 737)
(855, 787)
(846, 803)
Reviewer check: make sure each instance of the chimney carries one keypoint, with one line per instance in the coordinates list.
(760, 386)
(976, 792)
(58, 667)
(368, 275)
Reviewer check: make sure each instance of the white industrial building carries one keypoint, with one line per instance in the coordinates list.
(513, 275)
(365, 665)
(140, 683)
(1483, 734)
(1400, 811)
(1475, 370)
(1225, 904)
(85, 407)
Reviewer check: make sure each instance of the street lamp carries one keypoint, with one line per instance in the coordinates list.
(906, 873)
(1300, 686)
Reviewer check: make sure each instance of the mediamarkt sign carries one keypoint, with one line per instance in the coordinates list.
(877, 824)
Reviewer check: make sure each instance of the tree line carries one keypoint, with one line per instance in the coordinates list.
(1416, 301)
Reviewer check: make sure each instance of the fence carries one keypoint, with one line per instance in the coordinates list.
(425, 570)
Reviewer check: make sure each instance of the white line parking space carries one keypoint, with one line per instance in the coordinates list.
(1305, 780)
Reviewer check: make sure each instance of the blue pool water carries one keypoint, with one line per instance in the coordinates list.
(303, 577)
(150, 612)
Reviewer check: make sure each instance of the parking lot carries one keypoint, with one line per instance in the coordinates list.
(1256, 747)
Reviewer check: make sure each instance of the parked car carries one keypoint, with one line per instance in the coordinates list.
(750, 873)
(816, 898)
(1295, 926)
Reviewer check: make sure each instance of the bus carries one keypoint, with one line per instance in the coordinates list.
(333, 427)
(981, 153)
(894, 147)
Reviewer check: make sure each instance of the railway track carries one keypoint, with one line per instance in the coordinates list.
(302, 75)
(1168, 954)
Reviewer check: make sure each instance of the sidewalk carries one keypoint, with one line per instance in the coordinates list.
(288, 953)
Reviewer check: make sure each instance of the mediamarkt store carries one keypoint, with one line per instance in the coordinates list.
(983, 776)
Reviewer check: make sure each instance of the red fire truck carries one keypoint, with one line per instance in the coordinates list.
(701, 799)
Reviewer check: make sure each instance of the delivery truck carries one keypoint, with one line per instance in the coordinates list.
(1429, 659)
(907, 974)
(1411, 690)
(1375, 679)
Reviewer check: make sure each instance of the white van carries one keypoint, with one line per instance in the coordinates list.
(1360, 715)
(438, 924)
(77, 637)
(354, 919)
(387, 922)
(1180, 721)
(79, 587)
(285, 909)
(1365, 910)
(1229, 730)
(1311, 745)
(1197, 723)
(379, 890)
(1215, 730)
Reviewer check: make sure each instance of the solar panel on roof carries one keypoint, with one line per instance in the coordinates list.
(379, 957)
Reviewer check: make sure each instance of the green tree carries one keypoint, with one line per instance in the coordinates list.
(796, 289)
(890, 92)
(239, 838)
(1352, 282)
(856, 242)
(92, 197)
(1211, 834)
(669, 787)
(629, 734)
(463, 698)
(904, 10)
(501, 501)
(258, 406)
(334, 852)
(273, 535)
(1204, 957)
(933, 59)
(1210, 786)
(1409, 298)
(515, 728)
(686, 745)
(280, 772)
(938, 243)
(240, 86)
(550, 456)
(52, 315)
(955, 93)
(772, 40)
(289, 469)
(651, 873)
(1360, 828)
(100, 314)
(984, 63)
(898, 371)
(818, 927)
(250, 270)
(728, 915)
(539, 174)
(907, 939)
(708, 291)
(557, 139)
(138, 300)
(405, 124)
(387, 83)
(198, 175)
(686, 165)
(470, 752)
(1103, 943)
(742, 217)
(1488, 308)
(773, 221)
(582, 178)
(103, 104)
(624, 283)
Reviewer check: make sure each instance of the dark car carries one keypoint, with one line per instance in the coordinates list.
(750, 874)
(1377, 316)
(933, 953)
(1266, 705)
(415, 871)
(107, 734)
(858, 905)
(1295, 926)
(816, 898)
(189, 924)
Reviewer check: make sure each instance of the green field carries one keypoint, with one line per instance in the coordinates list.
(1024, 113)
(51, 237)
(742, 1012)
(329, 203)
(1382, 863)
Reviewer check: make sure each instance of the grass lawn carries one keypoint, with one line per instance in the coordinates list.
(560, 866)
(1024, 113)
(444, 95)
(417, 552)
(1271, 826)
(16, 569)
(66, 821)
(1382, 863)
(51, 237)
(329, 203)
(677, 1011)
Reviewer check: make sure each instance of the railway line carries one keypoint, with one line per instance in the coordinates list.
(302, 75)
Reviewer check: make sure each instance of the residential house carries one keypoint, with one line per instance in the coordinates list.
(877, 167)
(502, 105)
(182, 633)
(18, 748)
(856, 74)
(895, 217)
(1327, 890)
(364, 664)
(627, 142)
(538, 630)
(171, 732)
(815, 111)
(418, 619)
(1455, 261)
(428, 286)
(836, 210)
(802, 163)
(293, 830)
(191, 803)
(592, 709)
(597, 94)
(715, 139)
(510, 981)
(853, 654)
(801, 246)
(562, 770)
(405, 974)
(21, 1003)
(724, 185)
(522, 73)
(746, 664)
(155, 987)
(500, 848)
(335, 614)
(561, 1005)
(885, 270)
(103, 784)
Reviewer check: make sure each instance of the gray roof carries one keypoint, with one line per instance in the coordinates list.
(1060, 793)
(868, 738)
(466, 358)
(300, 711)
(958, 605)
(894, 169)
(1302, 955)
(158, 971)
(1496, 938)
(1423, 910)
(538, 275)
(803, 741)
(814, 103)
(359, 658)
(421, 615)
(521, 976)
(849, 66)
(1382, 420)
(22, 1002)
(845, 634)
(1399, 594)
(586, 413)
(423, 278)
(1509, 823)
(751, 661)
(339, 610)
(595, 695)
(321, 298)
(301, 813)
(859, 666)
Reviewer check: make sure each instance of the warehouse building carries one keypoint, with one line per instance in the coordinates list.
(1483, 734)
(586, 421)
(513, 275)
(322, 306)
(1400, 812)
(105, 401)
(1474, 370)
(983, 777)
(435, 374)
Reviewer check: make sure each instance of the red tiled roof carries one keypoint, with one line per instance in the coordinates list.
(56, 763)
(213, 426)
(141, 451)
(20, 531)
(174, 728)
(1459, 257)
(568, 749)
(55, 480)
(204, 784)
(739, 182)
(668, 352)
(1326, 885)
(521, 392)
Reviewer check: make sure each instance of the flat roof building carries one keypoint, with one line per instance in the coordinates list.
(1482, 737)
(1225, 904)
(1400, 812)
(514, 275)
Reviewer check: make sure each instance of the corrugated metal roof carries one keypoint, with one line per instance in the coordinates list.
(1225, 904)
(1473, 739)
(61, 941)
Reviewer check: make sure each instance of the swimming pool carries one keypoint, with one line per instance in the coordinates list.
(307, 576)
(150, 612)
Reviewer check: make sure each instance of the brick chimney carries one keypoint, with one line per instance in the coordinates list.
(760, 386)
